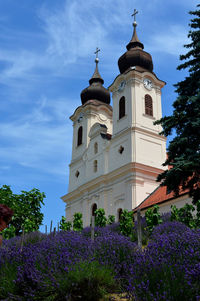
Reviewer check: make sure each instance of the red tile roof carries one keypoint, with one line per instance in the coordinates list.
(159, 195)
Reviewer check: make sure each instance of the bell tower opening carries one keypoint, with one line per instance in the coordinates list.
(80, 136)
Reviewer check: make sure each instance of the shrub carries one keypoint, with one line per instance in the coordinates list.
(89, 281)
(126, 222)
(183, 215)
(8, 273)
(100, 219)
(64, 225)
(111, 219)
(77, 222)
(168, 269)
(197, 221)
(153, 217)
(168, 228)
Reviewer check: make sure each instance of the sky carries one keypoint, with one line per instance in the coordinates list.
(46, 59)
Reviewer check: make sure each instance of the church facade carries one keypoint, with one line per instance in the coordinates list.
(117, 152)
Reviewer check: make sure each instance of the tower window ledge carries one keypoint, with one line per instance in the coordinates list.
(124, 117)
(149, 116)
(79, 146)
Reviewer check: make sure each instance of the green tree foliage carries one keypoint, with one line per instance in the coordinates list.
(186, 215)
(26, 207)
(126, 222)
(64, 225)
(198, 214)
(77, 221)
(183, 215)
(153, 217)
(100, 219)
(184, 149)
(111, 219)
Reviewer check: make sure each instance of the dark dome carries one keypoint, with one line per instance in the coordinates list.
(135, 55)
(96, 89)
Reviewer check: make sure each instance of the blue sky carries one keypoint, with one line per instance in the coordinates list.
(46, 59)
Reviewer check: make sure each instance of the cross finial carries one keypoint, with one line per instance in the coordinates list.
(96, 52)
(134, 15)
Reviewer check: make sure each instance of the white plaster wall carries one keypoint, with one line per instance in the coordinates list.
(115, 159)
(82, 154)
(150, 150)
(180, 202)
(124, 122)
(99, 156)
(141, 119)
(91, 116)
(75, 182)
(166, 206)
(121, 192)
(143, 190)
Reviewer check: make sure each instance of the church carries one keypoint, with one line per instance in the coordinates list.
(117, 152)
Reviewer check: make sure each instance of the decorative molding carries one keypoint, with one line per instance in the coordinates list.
(149, 116)
(128, 169)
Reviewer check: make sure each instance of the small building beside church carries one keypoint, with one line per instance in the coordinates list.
(117, 152)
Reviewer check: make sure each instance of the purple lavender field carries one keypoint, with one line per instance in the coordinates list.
(69, 266)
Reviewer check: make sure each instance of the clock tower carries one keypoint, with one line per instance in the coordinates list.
(136, 94)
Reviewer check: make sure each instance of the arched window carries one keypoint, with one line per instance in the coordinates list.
(122, 107)
(80, 136)
(96, 148)
(94, 208)
(119, 213)
(95, 165)
(148, 105)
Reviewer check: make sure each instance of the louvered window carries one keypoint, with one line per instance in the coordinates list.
(148, 105)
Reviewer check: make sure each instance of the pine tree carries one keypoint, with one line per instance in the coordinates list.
(184, 149)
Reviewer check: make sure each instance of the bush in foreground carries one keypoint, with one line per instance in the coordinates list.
(168, 269)
(69, 266)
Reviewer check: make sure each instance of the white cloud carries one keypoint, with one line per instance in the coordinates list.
(38, 140)
(170, 42)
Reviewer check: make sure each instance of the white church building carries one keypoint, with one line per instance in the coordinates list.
(117, 152)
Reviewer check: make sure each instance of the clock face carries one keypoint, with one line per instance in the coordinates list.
(147, 83)
(121, 86)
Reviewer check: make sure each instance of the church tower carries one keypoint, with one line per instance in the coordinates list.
(94, 115)
(117, 152)
(136, 94)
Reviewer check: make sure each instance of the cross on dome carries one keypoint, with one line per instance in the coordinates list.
(96, 52)
(96, 91)
(134, 15)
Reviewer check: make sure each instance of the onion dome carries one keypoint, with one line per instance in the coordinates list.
(135, 55)
(95, 89)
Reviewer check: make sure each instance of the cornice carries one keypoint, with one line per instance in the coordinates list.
(147, 132)
(138, 130)
(133, 168)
